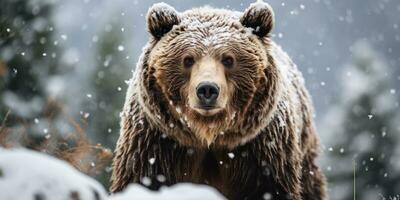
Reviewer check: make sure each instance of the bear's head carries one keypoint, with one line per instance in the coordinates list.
(211, 71)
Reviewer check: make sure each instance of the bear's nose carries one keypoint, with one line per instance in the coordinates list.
(207, 92)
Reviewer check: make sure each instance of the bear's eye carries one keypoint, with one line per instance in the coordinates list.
(227, 61)
(188, 62)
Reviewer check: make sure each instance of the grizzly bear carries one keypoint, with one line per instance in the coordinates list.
(215, 101)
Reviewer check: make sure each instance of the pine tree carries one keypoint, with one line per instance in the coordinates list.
(31, 101)
(109, 82)
(362, 136)
(28, 57)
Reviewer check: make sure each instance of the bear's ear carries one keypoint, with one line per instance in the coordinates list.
(161, 17)
(260, 17)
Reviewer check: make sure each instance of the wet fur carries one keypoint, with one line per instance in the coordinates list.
(268, 124)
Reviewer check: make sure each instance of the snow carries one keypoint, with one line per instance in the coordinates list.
(231, 155)
(121, 48)
(28, 174)
(184, 191)
(55, 86)
(162, 8)
(152, 161)
(267, 196)
(64, 37)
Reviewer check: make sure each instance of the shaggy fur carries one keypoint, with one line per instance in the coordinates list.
(264, 141)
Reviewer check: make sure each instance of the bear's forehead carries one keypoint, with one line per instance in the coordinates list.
(210, 19)
(212, 26)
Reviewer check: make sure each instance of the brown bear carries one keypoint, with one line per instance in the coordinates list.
(215, 101)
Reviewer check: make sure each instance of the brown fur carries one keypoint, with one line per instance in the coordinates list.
(267, 123)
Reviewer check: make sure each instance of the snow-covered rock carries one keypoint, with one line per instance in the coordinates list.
(26, 174)
(183, 191)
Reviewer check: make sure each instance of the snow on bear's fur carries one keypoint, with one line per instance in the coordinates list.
(215, 101)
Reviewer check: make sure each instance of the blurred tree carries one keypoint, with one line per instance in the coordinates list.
(361, 129)
(109, 77)
(108, 86)
(28, 57)
(32, 65)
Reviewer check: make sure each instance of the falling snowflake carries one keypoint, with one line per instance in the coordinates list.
(178, 110)
(146, 181)
(64, 37)
(231, 155)
(161, 178)
(152, 161)
(267, 196)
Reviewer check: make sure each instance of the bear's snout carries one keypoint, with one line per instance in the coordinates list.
(207, 92)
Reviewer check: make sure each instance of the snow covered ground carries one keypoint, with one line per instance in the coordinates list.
(26, 174)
